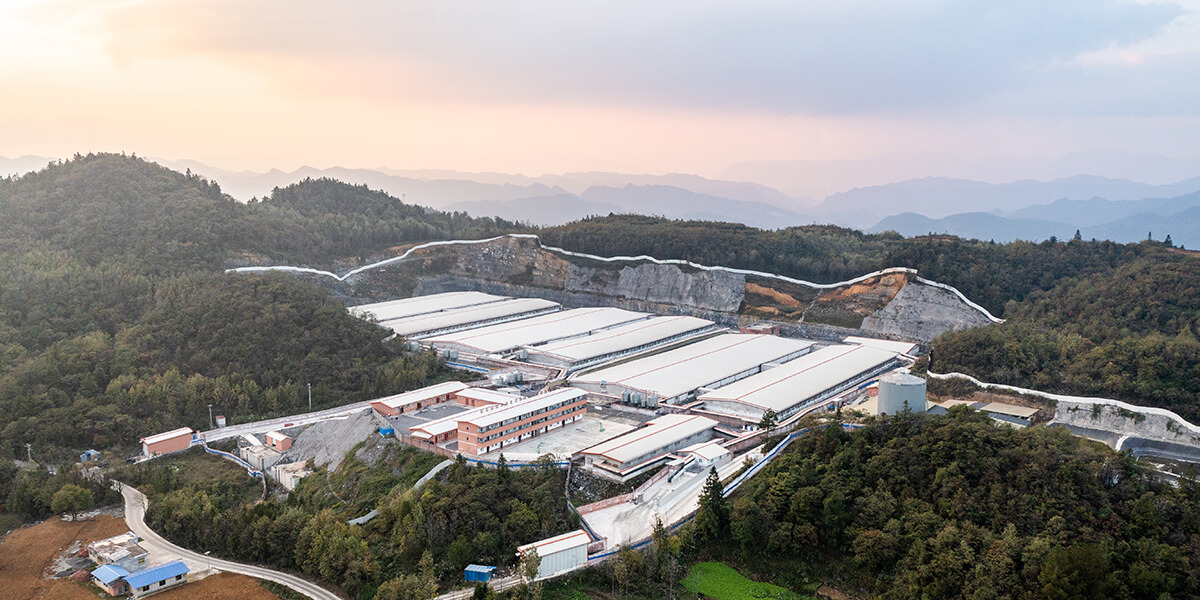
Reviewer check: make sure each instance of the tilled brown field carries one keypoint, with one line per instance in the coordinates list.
(26, 553)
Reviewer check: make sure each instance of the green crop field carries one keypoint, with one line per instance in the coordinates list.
(720, 582)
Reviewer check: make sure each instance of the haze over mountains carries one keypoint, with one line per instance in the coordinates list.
(1122, 210)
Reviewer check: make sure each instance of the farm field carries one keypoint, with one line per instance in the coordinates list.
(721, 582)
(26, 553)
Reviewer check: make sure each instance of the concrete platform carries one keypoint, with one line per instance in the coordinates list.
(408, 420)
(624, 524)
(569, 439)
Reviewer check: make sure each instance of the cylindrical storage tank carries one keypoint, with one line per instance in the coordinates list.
(900, 391)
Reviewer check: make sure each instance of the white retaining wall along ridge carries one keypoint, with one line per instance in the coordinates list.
(1148, 410)
(640, 258)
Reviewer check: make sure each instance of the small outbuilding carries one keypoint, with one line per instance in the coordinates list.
(168, 442)
(111, 578)
(89, 456)
(152, 580)
(279, 441)
(478, 573)
(559, 553)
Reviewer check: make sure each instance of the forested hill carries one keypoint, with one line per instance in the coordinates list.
(116, 320)
(987, 273)
(916, 506)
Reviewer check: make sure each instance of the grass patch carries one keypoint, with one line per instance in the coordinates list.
(720, 582)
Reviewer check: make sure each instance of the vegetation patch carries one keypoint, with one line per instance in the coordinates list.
(718, 581)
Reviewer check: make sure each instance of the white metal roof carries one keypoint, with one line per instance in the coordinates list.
(174, 433)
(419, 305)
(558, 543)
(464, 316)
(275, 435)
(622, 337)
(424, 393)
(711, 450)
(897, 347)
(507, 336)
(517, 409)
(1024, 412)
(794, 382)
(486, 395)
(659, 433)
(435, 428)
(682, 370)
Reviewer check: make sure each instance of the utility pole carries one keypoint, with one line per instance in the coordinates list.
(310, 397)
(210, 419)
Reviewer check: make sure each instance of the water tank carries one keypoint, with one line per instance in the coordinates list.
(898, 391)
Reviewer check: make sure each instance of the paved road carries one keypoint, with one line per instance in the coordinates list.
(213, 435)
(135, 512)
(496, 585)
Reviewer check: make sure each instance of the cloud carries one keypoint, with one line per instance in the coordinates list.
(816, 58)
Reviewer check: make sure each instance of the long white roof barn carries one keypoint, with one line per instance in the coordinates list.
(504, 337)
(420, 305)
(628, 337)
(470, 316)
(711, 362)
(788, 387)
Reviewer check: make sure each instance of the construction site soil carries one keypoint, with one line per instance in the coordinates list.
(27, 554)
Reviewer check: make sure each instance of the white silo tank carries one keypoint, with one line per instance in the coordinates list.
(898, 389)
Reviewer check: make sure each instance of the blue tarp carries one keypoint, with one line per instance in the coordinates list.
(107, 574)
(156, 574)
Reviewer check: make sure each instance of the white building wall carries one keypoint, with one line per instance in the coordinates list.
(562, 560)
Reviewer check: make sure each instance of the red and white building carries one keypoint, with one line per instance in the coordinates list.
(418, 399)
(491, 429)
(279, 441)
(510, 420)
(168, 442)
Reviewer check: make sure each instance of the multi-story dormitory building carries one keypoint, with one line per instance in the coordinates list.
(491, 427)
(495, 427)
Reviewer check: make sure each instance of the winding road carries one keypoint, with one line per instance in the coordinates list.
(135, 513)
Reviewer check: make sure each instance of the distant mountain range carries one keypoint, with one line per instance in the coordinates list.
(937, 197)
(1119, 221)
(1101, 207)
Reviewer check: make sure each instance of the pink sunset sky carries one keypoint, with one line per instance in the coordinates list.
(551, 86)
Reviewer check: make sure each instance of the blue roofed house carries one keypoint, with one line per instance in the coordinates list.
(156, 578)
(111, 578)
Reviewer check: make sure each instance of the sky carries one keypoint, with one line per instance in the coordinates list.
(539, 87)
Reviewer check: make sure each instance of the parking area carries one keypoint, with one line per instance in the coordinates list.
(593, 428)
(403, 422)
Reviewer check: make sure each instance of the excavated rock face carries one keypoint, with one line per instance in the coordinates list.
(893, 304)
(663, 284)
(923, 312)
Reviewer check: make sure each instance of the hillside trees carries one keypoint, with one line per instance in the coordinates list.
(1132, 335)
(116, 322)
(916, 506)
(466, 515)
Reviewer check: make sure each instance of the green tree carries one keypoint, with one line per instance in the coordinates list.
(768, 420)
(71, 498)
(712, 517)
(528, 570)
